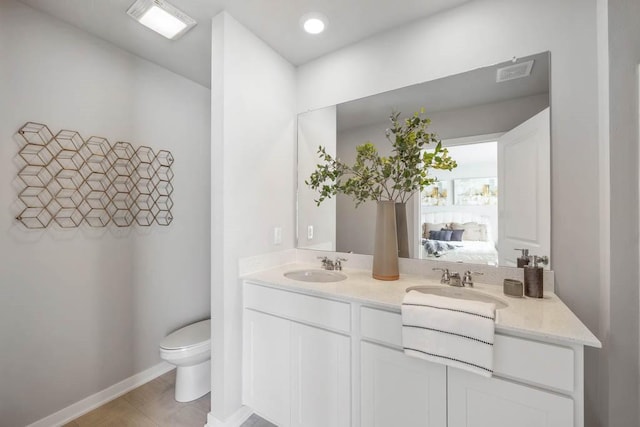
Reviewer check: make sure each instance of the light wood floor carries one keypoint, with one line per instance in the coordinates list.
(153, 405)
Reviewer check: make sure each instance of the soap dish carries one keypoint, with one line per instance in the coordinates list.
(513, 287)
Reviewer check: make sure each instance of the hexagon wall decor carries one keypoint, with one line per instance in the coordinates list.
(67, 180)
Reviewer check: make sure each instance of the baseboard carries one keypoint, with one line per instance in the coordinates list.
(90, 403)
(235, 420)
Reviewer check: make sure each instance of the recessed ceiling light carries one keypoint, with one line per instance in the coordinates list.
(161, 17)
(314, 23)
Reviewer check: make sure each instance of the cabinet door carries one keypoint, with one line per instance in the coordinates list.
(476, 401)
(266, 360)
(321, 378)
(399, 390)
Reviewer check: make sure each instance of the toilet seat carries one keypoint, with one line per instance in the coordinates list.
(195, 337)
(187, 356)
(186, 351)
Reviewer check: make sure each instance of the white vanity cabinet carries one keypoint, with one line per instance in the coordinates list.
(296, 358)
(267, 366)
(321, 378)
(312, 361)
(477, 401)
(398, 390)
(535, 384)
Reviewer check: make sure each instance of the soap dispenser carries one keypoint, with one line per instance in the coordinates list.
(524, 258)
(533, 282)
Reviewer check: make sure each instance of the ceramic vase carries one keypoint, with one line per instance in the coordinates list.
(401, 228)
(385, 252)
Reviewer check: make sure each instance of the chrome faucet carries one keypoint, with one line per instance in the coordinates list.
(467, 280)
(451, 279)
(455, 280)
(328, 264)
(337, 264)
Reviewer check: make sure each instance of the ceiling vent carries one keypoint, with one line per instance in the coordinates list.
(514, 71)
(161, 17)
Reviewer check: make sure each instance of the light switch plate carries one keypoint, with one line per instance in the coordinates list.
(277, 235)
(310, 232)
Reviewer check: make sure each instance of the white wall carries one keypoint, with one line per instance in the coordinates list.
(253, 182)
(83, 309)
(485, 32)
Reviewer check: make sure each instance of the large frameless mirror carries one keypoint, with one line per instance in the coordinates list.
(495, 122)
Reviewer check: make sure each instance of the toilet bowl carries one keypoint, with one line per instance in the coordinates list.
(189, 349)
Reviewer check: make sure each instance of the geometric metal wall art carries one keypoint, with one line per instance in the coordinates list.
(67, 181)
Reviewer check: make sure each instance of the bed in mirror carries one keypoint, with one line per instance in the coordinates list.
(495, 122)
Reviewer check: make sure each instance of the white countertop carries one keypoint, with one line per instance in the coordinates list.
(546, 318)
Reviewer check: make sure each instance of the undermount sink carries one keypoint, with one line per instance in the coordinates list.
(459, 293)
(318, 276)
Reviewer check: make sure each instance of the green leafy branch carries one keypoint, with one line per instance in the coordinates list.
(376, 178)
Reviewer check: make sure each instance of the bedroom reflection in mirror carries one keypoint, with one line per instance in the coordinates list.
(464, 229)
(500, 201)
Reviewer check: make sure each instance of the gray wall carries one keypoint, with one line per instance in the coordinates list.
(83, 309)
(622, 338)
(488, 118)
(355, 226)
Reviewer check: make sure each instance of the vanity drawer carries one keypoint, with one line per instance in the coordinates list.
(381, 326)
(543, 364)
(316, 311)
(535, 362)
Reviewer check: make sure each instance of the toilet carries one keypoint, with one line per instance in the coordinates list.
(189, 349)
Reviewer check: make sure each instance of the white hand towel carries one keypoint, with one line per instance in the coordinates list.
(454, 332)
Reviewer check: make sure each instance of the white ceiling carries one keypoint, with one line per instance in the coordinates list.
(274, 21)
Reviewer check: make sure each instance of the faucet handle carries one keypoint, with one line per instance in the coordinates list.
(467, 280)
(446, 276)
(338, 263)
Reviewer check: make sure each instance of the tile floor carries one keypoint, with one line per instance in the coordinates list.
(152, 405)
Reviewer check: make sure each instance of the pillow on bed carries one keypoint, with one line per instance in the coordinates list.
(472, 231)
(456, 235)
(443, 235)
(428, 227)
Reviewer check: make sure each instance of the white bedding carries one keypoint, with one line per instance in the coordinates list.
(471, 251)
